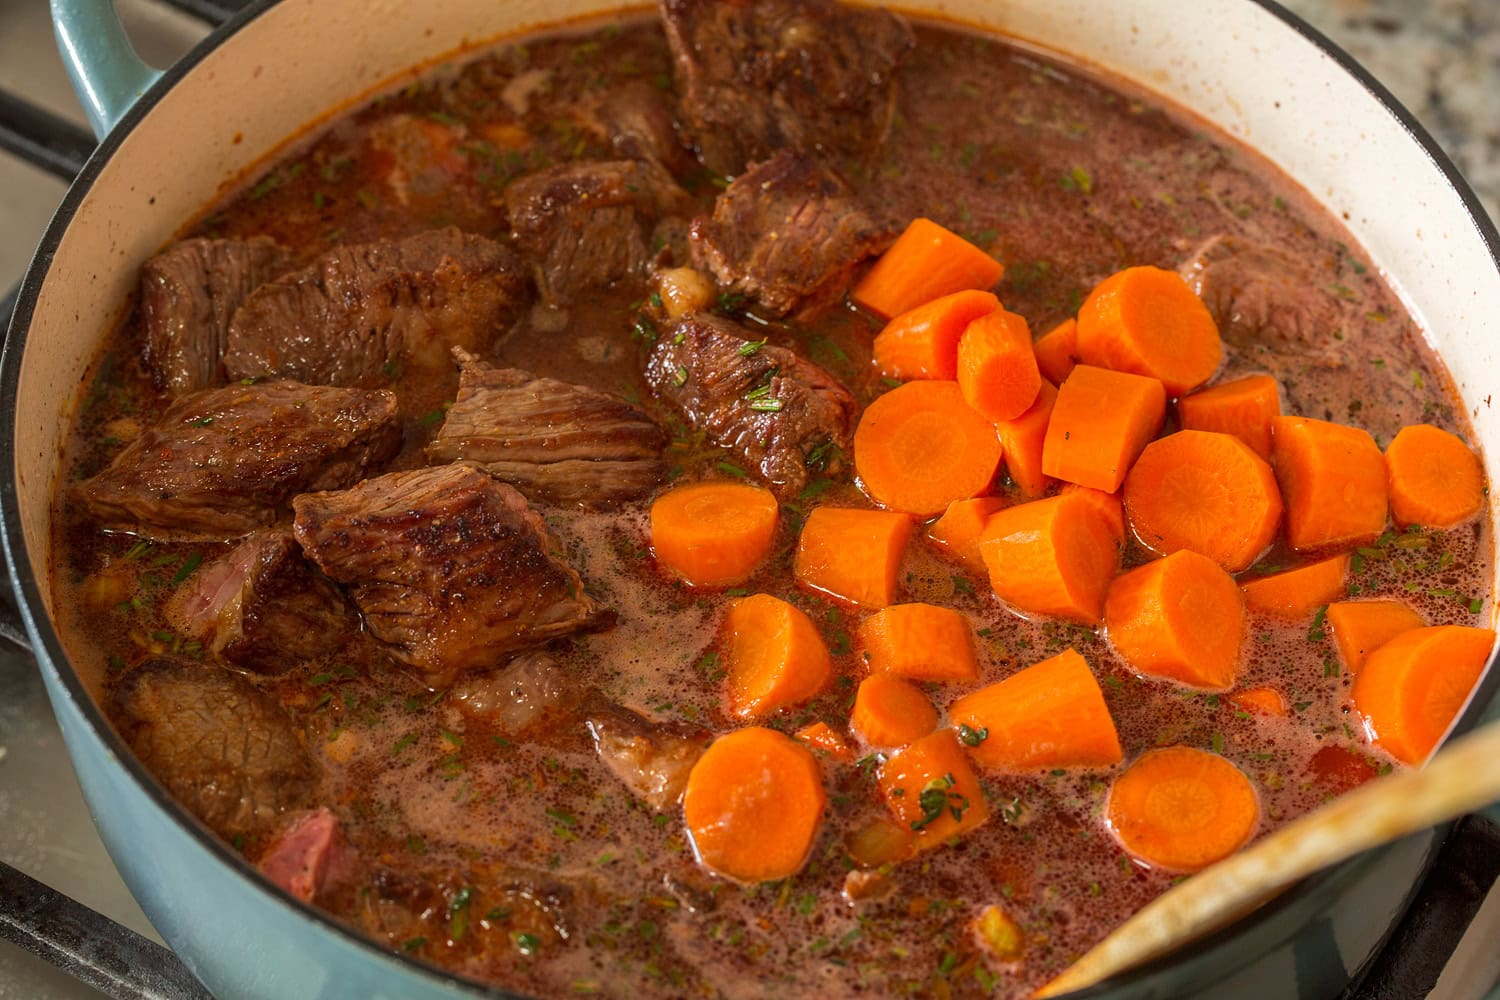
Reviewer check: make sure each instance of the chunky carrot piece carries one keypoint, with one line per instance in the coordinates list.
(920, 642)
(1051, 557)
(920, 447)
(889, 712)
(1332, 480)
(822, 738)
(1260, 701)
(1244, 408)
(1100, 422)
(775, 656)
(1434, 478)
(1409, 689)
(713, 534)
(1057, 351)
(1108, 505)
(1150, 322)
(1052, 714)
(926, 262)
(923, 342)
(930, 789)
(1361, 627)
(1023, 439)
(996, 366)
(1299, 592)
(851, 554)
(959, 528)
(1180, 618)
(1205, 492)
(753, 805)
(1182, 809)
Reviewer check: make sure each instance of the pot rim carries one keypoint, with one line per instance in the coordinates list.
(1217, 946)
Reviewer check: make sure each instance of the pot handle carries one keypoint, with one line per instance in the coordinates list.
(107, 74)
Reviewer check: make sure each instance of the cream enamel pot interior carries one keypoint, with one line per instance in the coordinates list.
(1245, 65)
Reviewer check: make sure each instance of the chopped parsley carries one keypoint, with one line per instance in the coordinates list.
(971, 737)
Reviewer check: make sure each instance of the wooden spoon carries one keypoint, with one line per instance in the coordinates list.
(1463, 777)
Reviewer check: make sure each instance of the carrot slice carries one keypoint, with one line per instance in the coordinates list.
(1051, 557)
(753, 804)
(889, 712)
(1361, 627)
(822, 738)
(920, 447)
(926, 262)
(923, 342)
(713, 534)
(1057, 351)
(1150, 322)
(1022, 441)
(775, 656)
(1409, 689)
(1434, 478)
(996, 366)
(853, 555)
(1182, 809)
(1332, 480)
(1260, 701)
(1244, 408)
(1052, 714)
(1108, 505)
(1205, 492)
(920, 642)
(1299, 592)
(1100, 422)
(959, 528)
(1180, 618)
(931, 790)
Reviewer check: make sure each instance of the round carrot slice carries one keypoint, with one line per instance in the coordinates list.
(713, 534)
(1148, 321)
(889, 712)
(1182, 809)
(920, 447)
(1409, 689)
(1435, 480)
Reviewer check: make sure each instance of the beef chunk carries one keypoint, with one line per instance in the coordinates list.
(223, 748)
(757, 76)
(789, 234)
(262, 607)
(779, 412)
(360, 313)
(525, 692)
(188, 294)
(448, 565)
(305, 855)
(223, 462)
(653, 761)
(587, 225)
(553, 441)
(638, 122)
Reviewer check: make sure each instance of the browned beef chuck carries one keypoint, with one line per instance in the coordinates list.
(188, 294)
(553, 441)
(588, 225)
(223, 748)
(638, 122)
(779, 412)
(262, 607)
(361, 313)
(788, 233)
(756, 76)
(529, 690)
(652, 760)
(306, 855)
(448, 565)
(223, 462)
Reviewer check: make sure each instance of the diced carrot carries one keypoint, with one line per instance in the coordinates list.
(1205, 492)
(1022, 441)
(1100, 422)
(1051, 557)
(1410, 688)
(854, 555)
(1361, 627)
(920, 642)
(959, 528)
(889, 712)
(1182, 809)
(713, 534)
(1052, 714)
(926, 262)
(1109, 506)
(1434, 479)
(920, 447)
(822, 737)
(1057, 351)
(1260, 701)
(930, 788)
(879, 842)
(996, 366)
(775, 656)
(1332, 481)
(1244, 408)
(1180, 618)
(1299, 592)
(753, 805)
(1150, 322)
(923, 342)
